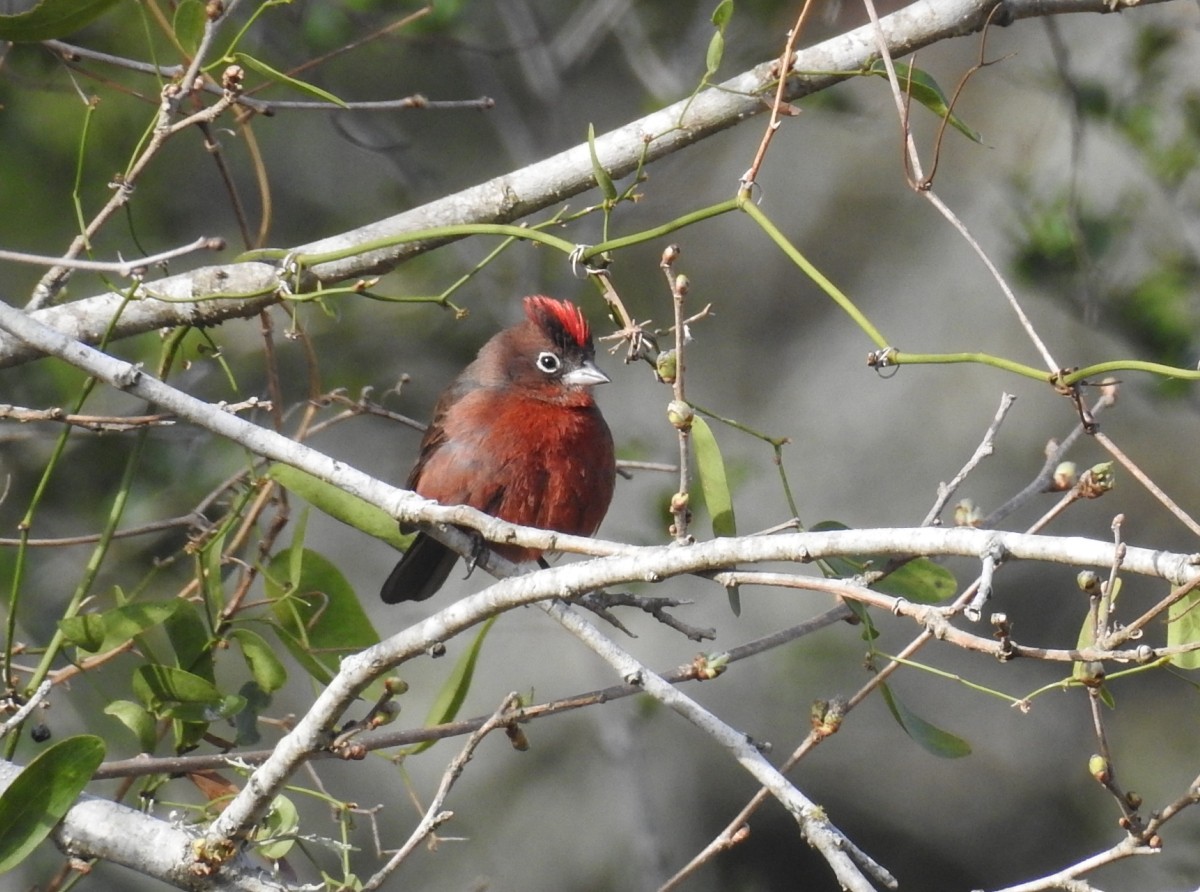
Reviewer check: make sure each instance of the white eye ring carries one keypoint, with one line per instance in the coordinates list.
(548, 362)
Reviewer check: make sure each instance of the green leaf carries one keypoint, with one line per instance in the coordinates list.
(138, 720)
(713, 482)
(51, 19)
(188, 24)
(275, 834)
(246, 721)
(209, 563)
(716, 46)
(1183, 627)
(85, 631)
(340, 505)
(264, 666)
(190, 639)
(716, 49)
(715, 485)
(42, 793)
(96, 632)
(320, 616)
(722, 14)
(450, 698)
(603, 180)
(172, 693)
(919, 580)
(920, 86)
(930, 738)
(272, 74)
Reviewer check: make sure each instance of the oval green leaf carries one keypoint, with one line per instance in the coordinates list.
(51, 19)
(264, 666)
(42, 793)
(929, 737)
(138, 720)
(1183, 627)
(713, 481)
(188, 24)
(922, 87)
(920, 579)
(275, 834)
(603, 180)
(340, 505)
(272, 74)
(168, 692)
(320, 618)
(450, 698)
(104, 631)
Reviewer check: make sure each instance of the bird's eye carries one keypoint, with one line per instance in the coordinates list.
(548, 362)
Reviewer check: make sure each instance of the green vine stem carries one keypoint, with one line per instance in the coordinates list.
(885, 356)
(811, 271)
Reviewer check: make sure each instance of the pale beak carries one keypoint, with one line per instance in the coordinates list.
(588, 374)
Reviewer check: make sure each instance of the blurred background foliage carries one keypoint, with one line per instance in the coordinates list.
(1084, 191)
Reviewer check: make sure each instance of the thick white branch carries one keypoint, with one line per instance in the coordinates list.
(98, 828)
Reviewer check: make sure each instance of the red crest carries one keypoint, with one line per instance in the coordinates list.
(549, 314)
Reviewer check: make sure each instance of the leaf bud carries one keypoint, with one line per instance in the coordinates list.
(680, 414)
(1064, 477)
(1099, 768)
(967, 514)
(1098, 480)
(666, 366)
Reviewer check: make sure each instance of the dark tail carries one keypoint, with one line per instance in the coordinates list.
(420, 573)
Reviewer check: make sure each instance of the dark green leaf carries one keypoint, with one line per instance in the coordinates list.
(930, 738)
(320, 617)
(454, 691)
(279, 77)
(603, 180)
(172, 693)
(85, 631)
(260, 658)
(722, 14)
(920, 579)
(210, 573)
(138, 720)
(42, 793)
(96, 632)
(920, 86)
(246, 721)
(51, 19)
(191, 641)
(340, 505)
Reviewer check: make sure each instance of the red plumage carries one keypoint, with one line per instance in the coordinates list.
(518, 435)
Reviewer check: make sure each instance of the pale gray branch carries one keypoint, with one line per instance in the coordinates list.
(98, 828)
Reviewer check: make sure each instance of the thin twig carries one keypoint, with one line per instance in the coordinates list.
(783, 66)
(985, 448)
(1143, 478)
(124, 268)
(434, 815)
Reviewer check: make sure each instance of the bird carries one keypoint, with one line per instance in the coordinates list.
(516, 435)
